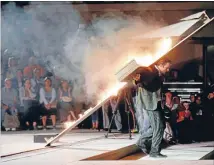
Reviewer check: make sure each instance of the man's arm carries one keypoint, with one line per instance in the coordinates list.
(143, 75)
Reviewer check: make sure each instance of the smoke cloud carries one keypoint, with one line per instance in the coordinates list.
(88, 55)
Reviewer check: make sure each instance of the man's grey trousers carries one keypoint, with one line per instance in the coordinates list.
(151, 127)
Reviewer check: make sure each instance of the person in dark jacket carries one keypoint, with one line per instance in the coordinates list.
(150, 79)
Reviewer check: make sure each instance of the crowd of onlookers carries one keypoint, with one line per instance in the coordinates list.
(189, 121)
(30, 96)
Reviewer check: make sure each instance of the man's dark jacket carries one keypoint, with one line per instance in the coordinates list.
(151, 82)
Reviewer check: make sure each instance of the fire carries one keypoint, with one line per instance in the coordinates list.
(148, 58)
(112, 91)
(80, 115)
(68, 124)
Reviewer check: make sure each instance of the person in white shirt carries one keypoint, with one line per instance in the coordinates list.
(48, 101)
(66, 102)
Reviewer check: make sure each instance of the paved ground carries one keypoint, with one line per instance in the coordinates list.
(81, 144)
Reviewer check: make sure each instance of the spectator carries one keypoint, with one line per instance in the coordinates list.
(9, 98)
(184, 124)
(27, 99)
(199, 120)
(199, 111)
(169, 108)
(9, 95)
(210, 115)
(95, 123)
(210, 104)
(11, 71)
(19, 77)
(36, 81)
(65, 102)
(12, 68)
(10, 121)
(115, 110)
(95, 119)
(32, 64)
(48, 102)
(193, 105)
(105, 110)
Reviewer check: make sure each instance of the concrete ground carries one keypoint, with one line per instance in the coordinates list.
(81, 144)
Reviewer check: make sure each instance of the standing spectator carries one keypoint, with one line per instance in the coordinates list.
(199, 122)
(210, 115)
(27, 99)
(9, 98)
(95, 119)
(32, 64)
(105, 116)
(36, 81)
(115, 110)
(169, 107)
(193, 105)
(65, 102)
(19, 77)
(48, 102)
(199, 111)
(12, 68)
(95, 123)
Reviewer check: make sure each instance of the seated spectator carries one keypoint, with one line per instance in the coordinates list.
(32, 64)
(27, 99)
(9, 98)
(36, 81)
(48, 103)
(65, 102)
(10, 118)
(184, 124)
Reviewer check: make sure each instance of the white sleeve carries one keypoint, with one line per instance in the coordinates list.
(53, 95)
(42, 96)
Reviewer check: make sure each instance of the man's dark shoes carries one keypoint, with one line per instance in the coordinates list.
(158, 156)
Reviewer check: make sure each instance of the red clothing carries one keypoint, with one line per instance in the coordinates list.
(28, 70)
(184, 115)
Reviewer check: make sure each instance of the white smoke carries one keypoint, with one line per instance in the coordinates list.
(88, 55)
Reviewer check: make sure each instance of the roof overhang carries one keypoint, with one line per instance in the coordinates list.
(181, 29)
(192, 30)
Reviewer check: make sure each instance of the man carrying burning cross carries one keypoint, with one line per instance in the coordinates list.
(149, 81)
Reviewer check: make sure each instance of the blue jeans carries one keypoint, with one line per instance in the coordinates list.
(95, 117)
